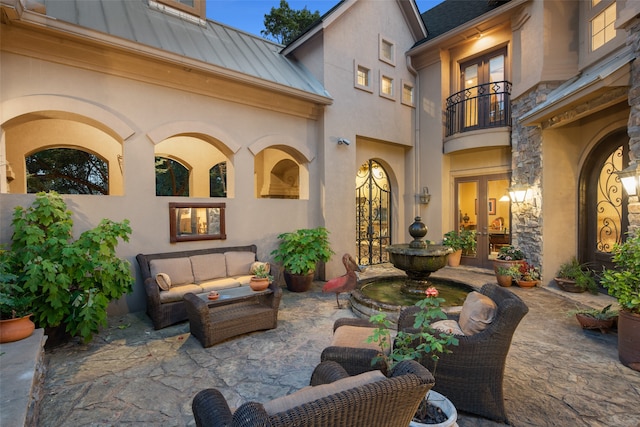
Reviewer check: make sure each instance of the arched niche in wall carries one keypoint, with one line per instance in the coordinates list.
(29, 134)
(202, 156)
(278, 175)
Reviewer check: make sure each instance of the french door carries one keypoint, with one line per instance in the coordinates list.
(482, 205)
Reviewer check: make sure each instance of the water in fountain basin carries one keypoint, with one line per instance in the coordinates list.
(388, 291)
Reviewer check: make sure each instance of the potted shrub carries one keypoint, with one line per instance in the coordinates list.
(528, 275)
(299, 252)
(575, 277)
(261, 277)
(463, 241)
(508, 256)
(591, 318)
(623, 283)
(15, 304)
(71, 282)
(505, 274)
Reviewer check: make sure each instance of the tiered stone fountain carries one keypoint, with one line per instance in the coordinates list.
(417, 259)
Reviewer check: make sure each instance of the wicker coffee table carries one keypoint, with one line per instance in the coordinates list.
(237, 311)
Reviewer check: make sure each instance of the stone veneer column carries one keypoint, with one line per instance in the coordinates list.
(633, 126)
(526, 165)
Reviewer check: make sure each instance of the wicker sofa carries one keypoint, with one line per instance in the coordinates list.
(335, 399)
(194, 271)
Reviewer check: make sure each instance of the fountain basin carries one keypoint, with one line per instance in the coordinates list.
(418, 263)
(383, 294)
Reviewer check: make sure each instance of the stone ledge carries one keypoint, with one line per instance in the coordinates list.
(22, 372)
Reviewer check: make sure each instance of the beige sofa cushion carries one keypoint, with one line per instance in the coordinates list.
(209, 266)
(178, 269)
(356, 337)
(177, 293)
(217, 284)
(477, 313)
(243, 280)
(239, 262)
(447, 326)
(309, 394)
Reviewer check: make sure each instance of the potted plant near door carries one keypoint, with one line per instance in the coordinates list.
(575, 277)
(623, 283)
(15, 304)
(463, 241)
(299, 252)
(592, 318)
(505, 275)
(508, 256)
(528, 275)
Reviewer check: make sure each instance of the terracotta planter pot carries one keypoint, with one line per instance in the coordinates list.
(16, 329)
(259, 283)
(502, 263)
(504, 280)
(527, 283)
(453, 260)
(298, 282)
(629, 339)
(590, 322)
(568, 285)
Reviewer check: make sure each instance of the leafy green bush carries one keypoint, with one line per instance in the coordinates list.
(623, 282)
(300, 251)
(464, 239)
(71, 282)
(579, 273)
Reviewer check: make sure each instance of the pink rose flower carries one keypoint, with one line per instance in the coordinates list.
(431, 292)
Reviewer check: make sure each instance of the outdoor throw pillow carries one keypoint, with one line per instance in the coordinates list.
(447, 326)
(477, 313)
(164, 281)
(309, 394)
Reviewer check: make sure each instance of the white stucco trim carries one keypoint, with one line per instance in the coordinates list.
(302, 154)
(59, 106)
(168, 130)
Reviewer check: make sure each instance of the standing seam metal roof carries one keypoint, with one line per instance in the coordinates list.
(208, 41)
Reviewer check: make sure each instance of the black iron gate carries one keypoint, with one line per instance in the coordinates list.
(373, 214)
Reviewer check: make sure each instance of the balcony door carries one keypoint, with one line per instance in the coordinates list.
(482, 205)
(483, 81)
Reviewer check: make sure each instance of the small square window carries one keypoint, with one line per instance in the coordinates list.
(387, 51)
(603, 27)
(386, 87)
(407, 94)
(362, 77)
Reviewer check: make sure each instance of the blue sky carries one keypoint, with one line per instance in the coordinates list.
(248, 15)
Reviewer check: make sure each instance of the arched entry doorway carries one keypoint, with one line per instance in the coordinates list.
(373, 213)
(603, 203)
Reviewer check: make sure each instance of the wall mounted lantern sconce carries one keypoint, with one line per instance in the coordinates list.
(424, 197)
(518, 193)
(630, 178)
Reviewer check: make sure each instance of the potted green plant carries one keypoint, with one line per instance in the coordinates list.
(261, 277)
(299, 253)
(505, 274)
(15, 304)
(591, 318)
(422, 341)
(623, 283)
(575, 277)
(508, 256)
(70, 282)
(463, 241)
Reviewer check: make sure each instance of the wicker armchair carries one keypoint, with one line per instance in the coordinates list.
(354, 360)
(388, 402)
(472, 375)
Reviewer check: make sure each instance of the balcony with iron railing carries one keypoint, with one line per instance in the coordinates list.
(480, 107)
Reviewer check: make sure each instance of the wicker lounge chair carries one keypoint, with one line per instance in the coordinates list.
(472, 375)
(386, 402)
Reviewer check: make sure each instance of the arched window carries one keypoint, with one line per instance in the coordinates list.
(218, 180)
(172, 178)
(67, 171)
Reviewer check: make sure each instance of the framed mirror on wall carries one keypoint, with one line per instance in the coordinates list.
(196, 221)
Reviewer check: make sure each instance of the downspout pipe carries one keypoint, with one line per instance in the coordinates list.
(416, 137)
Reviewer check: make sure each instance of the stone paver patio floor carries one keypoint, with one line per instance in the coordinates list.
(556, 373)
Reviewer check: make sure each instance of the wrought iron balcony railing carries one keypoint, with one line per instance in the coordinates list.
(480, 107)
